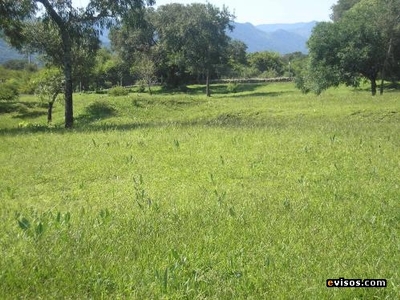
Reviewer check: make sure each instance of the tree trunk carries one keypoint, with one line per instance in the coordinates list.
(67, 63)
(373, 86)
(50, 112)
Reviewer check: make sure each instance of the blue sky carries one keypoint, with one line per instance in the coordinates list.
(266, 11)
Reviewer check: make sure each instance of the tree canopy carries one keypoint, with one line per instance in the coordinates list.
(341, 7)
(72, 27)
(183, 40)
(364, 42)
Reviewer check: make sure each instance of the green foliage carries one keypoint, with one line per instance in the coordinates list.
(191, 42)
(118, 91)
(232, 87)
(294, 63)
(145, 69)
(99, 110)
(108, 70)
(48, 84)
(270, 73)
(341, 7)
(363, 42)
(65, 34)
(9, 90)
(19, 64)
(268, 64)
(20, 78)
(29, 87)
(141, 86)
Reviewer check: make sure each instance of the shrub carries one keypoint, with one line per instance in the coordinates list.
(28, 88)
(118, 91)
(141, 86)
(270, 73)
(232, 87)
(9, 90)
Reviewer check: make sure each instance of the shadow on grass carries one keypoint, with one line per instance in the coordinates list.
(30, 114)
(260, 95)
(388, 87)
(216, 89)
(391, 87)
(244, 90)
(223, 89)
(167, 102)
(101, 111)
(7, 107)
(228, 120)
(97, 111)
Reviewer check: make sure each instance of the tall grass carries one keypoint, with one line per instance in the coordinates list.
(264, 193)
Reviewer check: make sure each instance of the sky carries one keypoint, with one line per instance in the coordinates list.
(260, 12)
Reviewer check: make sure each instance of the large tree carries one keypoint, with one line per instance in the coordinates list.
(71, 23)
(390, 30)
(361, 44)
(44, 38)
(208, 46)
(270, 63)
(183, 41)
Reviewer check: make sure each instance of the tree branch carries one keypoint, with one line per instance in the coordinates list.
(53, 14)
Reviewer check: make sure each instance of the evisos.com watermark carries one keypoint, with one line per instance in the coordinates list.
(356, 283)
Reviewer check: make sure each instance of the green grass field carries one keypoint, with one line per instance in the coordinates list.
(262, 194)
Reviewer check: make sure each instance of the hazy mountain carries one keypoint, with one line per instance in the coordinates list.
(303, 29)
(8, 53)
(282, 38)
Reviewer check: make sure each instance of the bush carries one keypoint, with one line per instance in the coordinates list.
(28, 88)
(141, 86)
(232, 87)
(118, 91)
(270, 73)
(9, 90)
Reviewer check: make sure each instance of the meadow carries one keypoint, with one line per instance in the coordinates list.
(260, 194)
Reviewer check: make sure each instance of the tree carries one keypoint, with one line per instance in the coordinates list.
(209, 42)
(323, 69)
(294, 63)
(145, 69)
(182, 42)
(72, 24)
(135, 36)
(237, 59)
(361, 44)
(45, 39)
(194, 38)
(341, 7)
(49, 84)
(390, 29)
(101, 71)
(269, 63)
(9, 90)
(134, 40)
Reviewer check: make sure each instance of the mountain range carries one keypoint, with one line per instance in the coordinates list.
(281, 38)
(8, 53)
